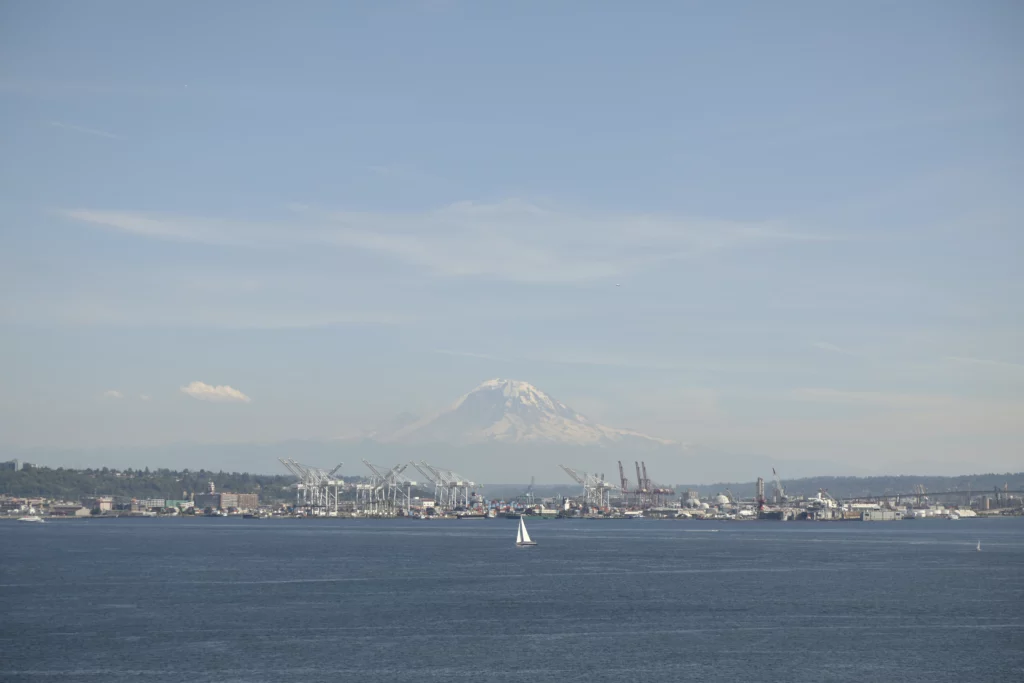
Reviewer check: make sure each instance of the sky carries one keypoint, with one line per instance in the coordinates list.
(788, 229)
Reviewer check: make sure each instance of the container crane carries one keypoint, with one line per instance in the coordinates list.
(779, 493)
(623, 482)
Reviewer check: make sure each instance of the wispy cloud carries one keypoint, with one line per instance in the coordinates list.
(825, 346)
(875, 398)
(210, 309)
(509, 240)
(986, 363)
(87, 131)
(112, 393)
(144, 397)
(471, 354)
(217, 394)
(580, 358)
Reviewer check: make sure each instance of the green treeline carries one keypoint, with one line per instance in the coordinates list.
(72, 484)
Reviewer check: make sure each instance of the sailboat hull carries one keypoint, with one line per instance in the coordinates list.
(523, 536)
(525, 544)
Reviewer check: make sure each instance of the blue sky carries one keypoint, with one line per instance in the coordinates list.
(347, 210)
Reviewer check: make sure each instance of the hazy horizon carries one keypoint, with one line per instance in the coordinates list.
(788, 233)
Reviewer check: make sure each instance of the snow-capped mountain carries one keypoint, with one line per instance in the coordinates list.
(510, 411)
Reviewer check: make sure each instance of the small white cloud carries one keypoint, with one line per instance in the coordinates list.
(112, 393)
(218, 394)
(144, 397)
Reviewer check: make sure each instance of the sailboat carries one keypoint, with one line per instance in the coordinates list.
(523, 537)
(979, 546)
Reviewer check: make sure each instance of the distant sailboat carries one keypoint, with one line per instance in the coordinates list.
(523, 537)
(979, 546)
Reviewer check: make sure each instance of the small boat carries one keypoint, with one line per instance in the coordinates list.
(31, 518)
(523, 537)
(979, 546)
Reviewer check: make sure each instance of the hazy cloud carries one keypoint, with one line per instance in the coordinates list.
(83, 129)
(112, 393)
(144, 397)
(875, 398)
(983, 362)
(825, 346)
(217, 394)
(576, 358)
(508, 240)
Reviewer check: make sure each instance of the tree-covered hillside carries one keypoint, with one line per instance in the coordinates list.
(69, 484)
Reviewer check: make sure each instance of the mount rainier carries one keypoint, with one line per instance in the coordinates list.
(511, 411)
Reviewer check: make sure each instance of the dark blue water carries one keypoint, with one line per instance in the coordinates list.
(287, 600)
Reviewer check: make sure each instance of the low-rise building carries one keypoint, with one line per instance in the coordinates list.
(70, 510)
(881, 515)
(102, 503)
(227, 501)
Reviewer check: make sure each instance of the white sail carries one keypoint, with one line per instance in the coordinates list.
(519, 534)
(524, 536)
(979, 545)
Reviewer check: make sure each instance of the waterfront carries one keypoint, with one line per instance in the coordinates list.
(214, 599)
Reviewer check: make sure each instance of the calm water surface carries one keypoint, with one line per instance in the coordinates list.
(286, 600)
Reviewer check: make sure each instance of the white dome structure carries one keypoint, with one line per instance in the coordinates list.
(721, 499)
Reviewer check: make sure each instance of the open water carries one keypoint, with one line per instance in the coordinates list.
(421, 601)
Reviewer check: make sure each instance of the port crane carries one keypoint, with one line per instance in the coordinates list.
(527, 495)
(431, 477)
(779, 494)
(381, 493)
(316, 488)
(623, 482)
(649, 493)
(453, 487)
(596, 491)
(828, 496)
(641, 487)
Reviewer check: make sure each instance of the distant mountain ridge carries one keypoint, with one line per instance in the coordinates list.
(511, 411)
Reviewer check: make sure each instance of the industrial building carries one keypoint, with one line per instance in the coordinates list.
(227, 501)
(101, 503)
(70, 511)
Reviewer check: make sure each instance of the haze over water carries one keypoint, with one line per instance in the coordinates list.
(223, 600)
